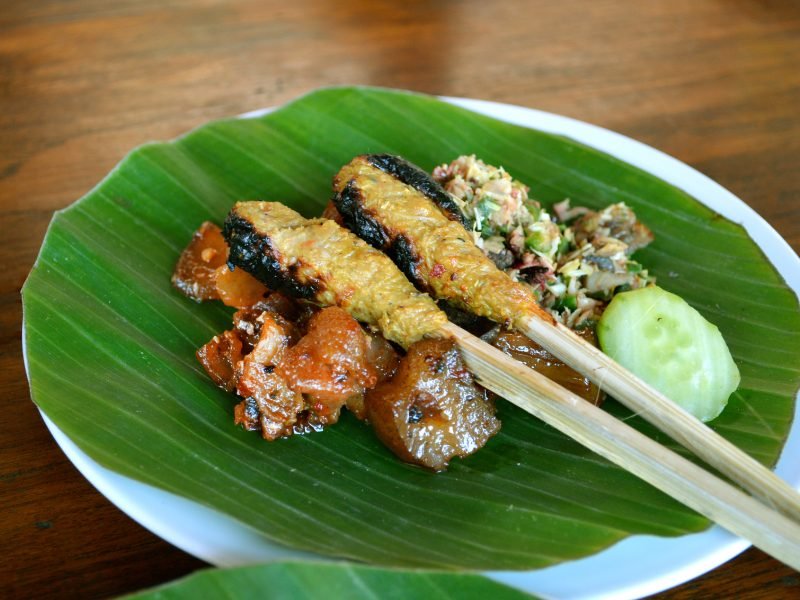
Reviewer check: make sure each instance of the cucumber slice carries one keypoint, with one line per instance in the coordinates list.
(667, 343)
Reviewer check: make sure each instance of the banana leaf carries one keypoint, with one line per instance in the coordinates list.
(110, 345)
(309, 580)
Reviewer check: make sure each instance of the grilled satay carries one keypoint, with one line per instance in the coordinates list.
(319, 260)
(398, 208)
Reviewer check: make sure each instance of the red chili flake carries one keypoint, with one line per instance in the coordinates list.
(437, 270)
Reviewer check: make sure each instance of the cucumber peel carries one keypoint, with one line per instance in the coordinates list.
(660, 338)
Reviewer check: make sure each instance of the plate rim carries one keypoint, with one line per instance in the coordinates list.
(232, 543)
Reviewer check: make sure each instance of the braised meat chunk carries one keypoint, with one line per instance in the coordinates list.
(238, 288)
(219, 358)
(329, 364)
(202, 274)
(383, 359)
(269, 403)
(431, 410)
(195, 273)
(528, 352)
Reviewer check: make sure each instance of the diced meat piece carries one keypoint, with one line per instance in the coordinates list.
(329, 363)
(219, 358)
(247, 321)
(275, 336)
(247, 326)
(282, 305)
(238, 288)
(247, 415)
(269, 402)
(532, 354)
(195, 272)
(381, 356)
(431, 410)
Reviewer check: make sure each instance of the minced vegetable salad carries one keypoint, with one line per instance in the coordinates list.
(575, 259)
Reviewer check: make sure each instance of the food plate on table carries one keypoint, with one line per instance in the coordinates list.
(531, 498)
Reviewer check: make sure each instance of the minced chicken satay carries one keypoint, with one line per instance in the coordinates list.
(397, 207)
(317, 259)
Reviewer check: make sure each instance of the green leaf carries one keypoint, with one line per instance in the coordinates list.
(111, 345)
(310, 580)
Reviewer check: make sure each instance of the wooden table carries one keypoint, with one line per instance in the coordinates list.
(715, 83)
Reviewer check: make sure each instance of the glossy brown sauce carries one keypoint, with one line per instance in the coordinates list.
(528, 352)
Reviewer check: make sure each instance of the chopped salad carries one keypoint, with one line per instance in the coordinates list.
(574, 258)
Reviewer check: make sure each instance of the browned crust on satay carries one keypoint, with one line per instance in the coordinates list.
(400, 215)
(319, 260)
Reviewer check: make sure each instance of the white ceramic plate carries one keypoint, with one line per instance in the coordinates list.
(636, 567)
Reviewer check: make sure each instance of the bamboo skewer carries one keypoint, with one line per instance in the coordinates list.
(659, 410)
(607, 436)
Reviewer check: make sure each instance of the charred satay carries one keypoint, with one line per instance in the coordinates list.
(317, 259)
(397, 207)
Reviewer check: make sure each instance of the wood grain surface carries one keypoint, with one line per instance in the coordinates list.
(715, 83)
